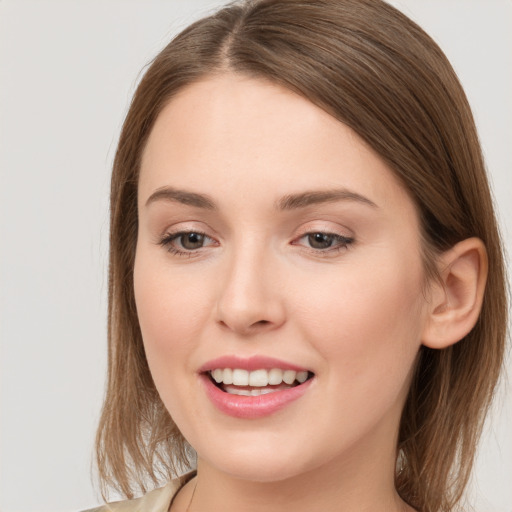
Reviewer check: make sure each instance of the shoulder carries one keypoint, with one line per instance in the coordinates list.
(158, 500)
(154, 501)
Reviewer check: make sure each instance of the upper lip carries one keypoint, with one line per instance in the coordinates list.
(256, 362)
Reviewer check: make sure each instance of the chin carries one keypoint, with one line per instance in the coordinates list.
(265, 465)
(260, 471)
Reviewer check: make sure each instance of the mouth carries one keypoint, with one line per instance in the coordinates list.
(241, 382)
(256, 386)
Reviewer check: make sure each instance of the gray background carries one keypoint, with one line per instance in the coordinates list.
(67, 71)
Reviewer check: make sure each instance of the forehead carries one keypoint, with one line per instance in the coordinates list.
(231, 133)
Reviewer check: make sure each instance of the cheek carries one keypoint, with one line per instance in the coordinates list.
(366, 322)
(170, 312)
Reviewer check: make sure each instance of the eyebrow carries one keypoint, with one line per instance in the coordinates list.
(286, 203)
(182, 196)
(295, 201)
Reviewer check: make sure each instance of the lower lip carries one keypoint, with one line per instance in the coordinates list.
(249, 407)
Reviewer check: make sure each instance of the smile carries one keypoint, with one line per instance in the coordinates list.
(237, 381)
(254, 387)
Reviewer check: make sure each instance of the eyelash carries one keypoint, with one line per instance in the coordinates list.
(342, 243)
(167, 240)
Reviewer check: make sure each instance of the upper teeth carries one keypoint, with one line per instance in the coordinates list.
(257, 378)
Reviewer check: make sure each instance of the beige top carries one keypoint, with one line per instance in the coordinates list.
(158, 500)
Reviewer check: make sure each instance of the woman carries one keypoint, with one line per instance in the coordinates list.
(306, 280)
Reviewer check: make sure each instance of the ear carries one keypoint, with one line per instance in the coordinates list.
(456, 301)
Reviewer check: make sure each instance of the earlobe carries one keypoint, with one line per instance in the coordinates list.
(456, 301)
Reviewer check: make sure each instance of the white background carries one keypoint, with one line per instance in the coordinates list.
(67, 71)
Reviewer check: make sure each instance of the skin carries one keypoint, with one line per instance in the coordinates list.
(354, 315)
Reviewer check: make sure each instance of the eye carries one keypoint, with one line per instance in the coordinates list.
(320, 240)
(324, 242)
(186, 242)
(191, 241)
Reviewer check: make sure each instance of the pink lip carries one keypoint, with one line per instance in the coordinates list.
(249, 363)
(250, 407)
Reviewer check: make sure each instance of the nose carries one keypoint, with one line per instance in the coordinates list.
(251, 297)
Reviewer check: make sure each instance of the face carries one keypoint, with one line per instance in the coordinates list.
(274, 244)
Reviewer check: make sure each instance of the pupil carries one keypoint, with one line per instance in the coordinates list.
(320, 240)
(192, 241)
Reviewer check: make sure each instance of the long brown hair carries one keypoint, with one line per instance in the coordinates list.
(375, 70)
